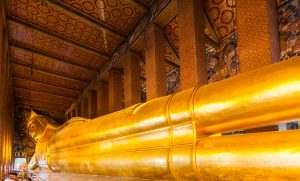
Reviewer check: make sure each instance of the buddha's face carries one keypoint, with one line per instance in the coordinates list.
(36, 129)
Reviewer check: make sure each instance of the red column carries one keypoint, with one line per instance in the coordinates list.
(78, 110)
(132, 82)
(73, 113)
(84, 107)
(69, 116)
(115, 90)
(155, 63)
(102, 98)
(193, 63)
(258, 43)
(92, 104)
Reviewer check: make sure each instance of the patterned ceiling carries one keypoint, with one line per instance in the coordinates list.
(58, 46)
(65, 23)
(36, 103)
(50, 78)
(43, 96)
(222, 15)
(30, 84)
(52, 46)
(121, 15)
(41, 62)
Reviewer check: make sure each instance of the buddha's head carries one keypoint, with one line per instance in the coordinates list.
(37, 124)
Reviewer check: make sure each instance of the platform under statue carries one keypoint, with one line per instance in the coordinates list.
(172, 137)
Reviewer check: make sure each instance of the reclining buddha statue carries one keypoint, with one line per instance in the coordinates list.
(174, 137)
(41, 128)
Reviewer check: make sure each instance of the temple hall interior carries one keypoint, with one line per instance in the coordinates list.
(149, 90)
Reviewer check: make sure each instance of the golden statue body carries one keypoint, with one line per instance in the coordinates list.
(41, 128)
(171, 137)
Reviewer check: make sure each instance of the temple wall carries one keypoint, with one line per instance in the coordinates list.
(6, 100)
(223, 61)
(288, 18)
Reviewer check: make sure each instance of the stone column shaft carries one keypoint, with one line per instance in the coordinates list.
(155, 63)
(132, 82)
(102, 99)
(84, 107)
(74, 113)
(115, 90)
(78, 110)
(258, 43)
(92, 104)
(193, 63)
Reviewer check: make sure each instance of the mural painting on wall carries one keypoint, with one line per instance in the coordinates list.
(222, 14)
(172, 69)
(143, 94)
(173, 81)
(23, 144)
(143, 78)
(288, 18)
(222, 61)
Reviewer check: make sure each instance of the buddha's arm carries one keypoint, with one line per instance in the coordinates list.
(39, 159)
(33, 164)
(159, 139)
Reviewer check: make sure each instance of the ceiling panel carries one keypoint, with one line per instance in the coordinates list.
(119, 14)
(33, 74)
(57, 115)
(58, 46)
(222, 14)
(45, 43)
(41, 62)
(57, 19)
(43, 87)
(42, 96)
(19, 100)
